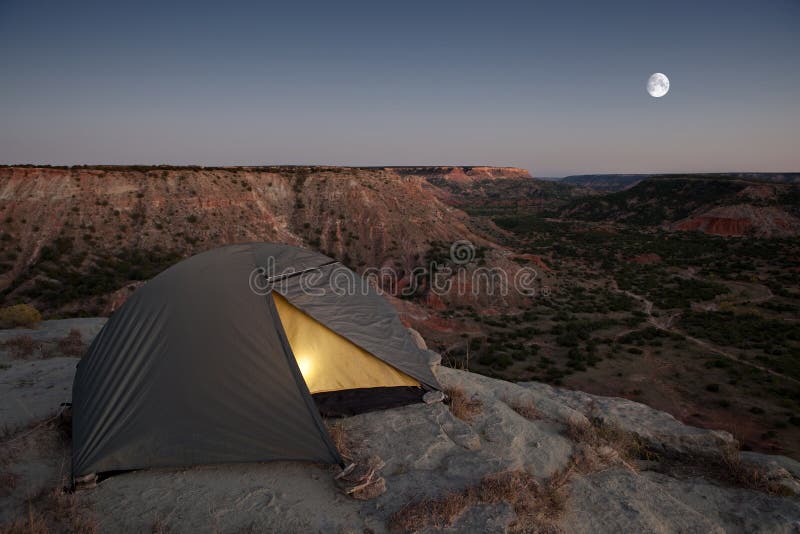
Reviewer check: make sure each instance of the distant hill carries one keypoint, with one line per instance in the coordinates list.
(502, 194)
(721, 205)
(605, 182)
(618, 182)
(77, 239)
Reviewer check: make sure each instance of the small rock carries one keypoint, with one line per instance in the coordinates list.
(432, 397)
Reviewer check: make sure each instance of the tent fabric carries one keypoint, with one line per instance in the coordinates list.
(196, 368)
(330, 362)
(345, 303)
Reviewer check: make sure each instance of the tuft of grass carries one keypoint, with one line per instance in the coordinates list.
(22, 347)
(159, 526)
(53, 509)
(725, 467)
(439, 513)
(525, 409)
(746, 475)
(54, 431)
(8, 482)
(343, 443)
(72, 344)
(361, 479)
(606, 443)
(57, 508)
(538, 506)
(463, 407)
(32, 523)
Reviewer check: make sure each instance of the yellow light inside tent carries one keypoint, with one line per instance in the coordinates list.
(306, 365)
(328, 361)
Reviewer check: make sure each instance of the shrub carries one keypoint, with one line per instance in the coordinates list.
(72, 344)
(21, 346)
(19, 315)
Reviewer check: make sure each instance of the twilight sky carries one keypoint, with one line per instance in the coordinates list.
(556, 87)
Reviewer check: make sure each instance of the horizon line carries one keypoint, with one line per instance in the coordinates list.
(453, 166)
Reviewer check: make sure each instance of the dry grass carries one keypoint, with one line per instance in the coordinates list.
(525, 409)
(341, 440)
(159, 526)
(438, 513)
(598, 433)
(8, 482)
(538, 506)
(55, 510)
(463, 407)
(750, 476)
(609, 445)
(362, 479)
(745, 475)
(25, 347)
(55, 431)
(72, 344)
(52, 509)
(365, 482)
(605, 444)
(22, 347)
(726, 468)
(31, 524)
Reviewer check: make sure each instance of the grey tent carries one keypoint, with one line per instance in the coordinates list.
(230, 355)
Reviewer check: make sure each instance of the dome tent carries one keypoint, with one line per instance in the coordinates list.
(201, 365)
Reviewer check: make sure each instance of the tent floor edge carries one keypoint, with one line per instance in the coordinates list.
(347, 402)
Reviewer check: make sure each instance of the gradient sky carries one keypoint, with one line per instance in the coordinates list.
(555, 87)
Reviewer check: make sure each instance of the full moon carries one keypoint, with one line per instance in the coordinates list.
(658, 85)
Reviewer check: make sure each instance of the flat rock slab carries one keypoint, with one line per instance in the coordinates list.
(274, 497)
(621, 501)
(659, 429)
(33, 390)
(427, 453)
(58, 328)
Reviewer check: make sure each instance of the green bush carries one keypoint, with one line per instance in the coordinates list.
(20, 315)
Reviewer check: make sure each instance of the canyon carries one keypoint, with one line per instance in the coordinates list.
(705, 251)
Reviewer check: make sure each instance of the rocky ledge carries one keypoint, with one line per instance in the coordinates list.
(495, 457)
